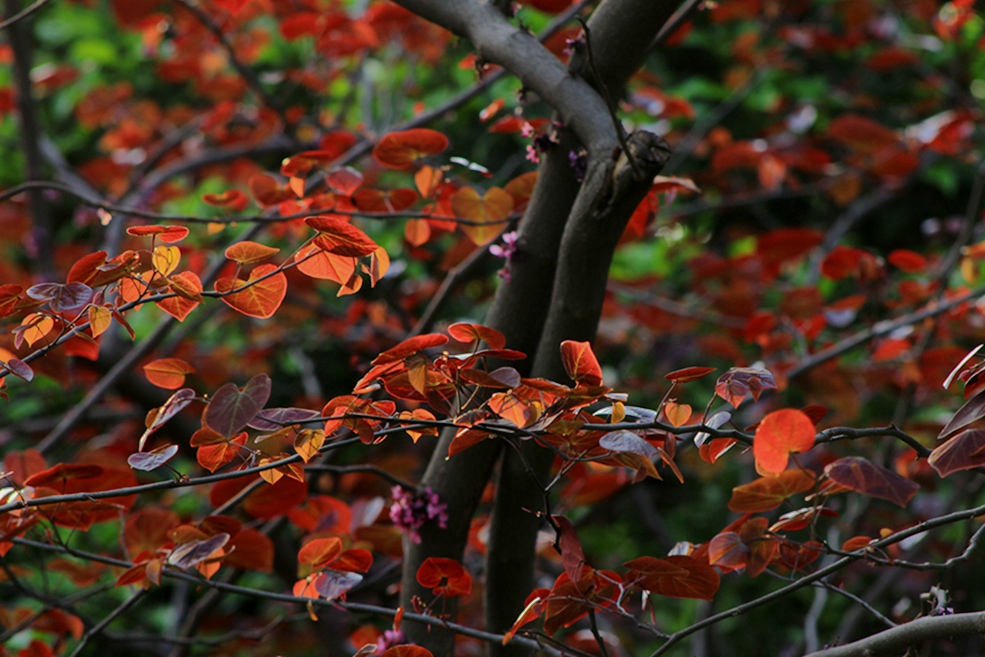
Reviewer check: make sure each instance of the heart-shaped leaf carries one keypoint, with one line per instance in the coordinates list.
(232, 408)
(260, 296)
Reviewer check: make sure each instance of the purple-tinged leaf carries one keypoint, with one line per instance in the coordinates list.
(61, 297)
(152, 460)
(971, 411)
(272, 419)
(232, 408)
(174, 405)
(19, 368)
(863, 476)
(962, 452)
(331, 584)
(187, 555)
(627, 441)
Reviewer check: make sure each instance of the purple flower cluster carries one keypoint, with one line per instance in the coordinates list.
(411, 510)
(506, 250)
(390, 639)
(540, 143)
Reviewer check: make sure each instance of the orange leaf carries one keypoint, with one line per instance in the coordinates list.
(407, 650)
(340, 237)
(778, 435)
(314, 262)
(400, 150)
(167, 234)
(677, 414)
(320, 551)
(487, 213)
(231, 199)
(263, 296)
(188, 286)
(167, 373)
(248, 252)
(580, 363)
(769, 492)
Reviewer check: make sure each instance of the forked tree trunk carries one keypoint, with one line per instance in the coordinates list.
(566, 242)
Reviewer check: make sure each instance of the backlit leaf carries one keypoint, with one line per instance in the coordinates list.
(167, 373)
(247, 252)
(688, 374)
(778, 435)
(445, 577)
(340, 237)
(580, 363)
(468, 333)
(167, 234)
(487, 213)
(400, 150)
(260, 296)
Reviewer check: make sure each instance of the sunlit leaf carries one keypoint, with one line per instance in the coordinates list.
(674, 577)
(247, 252)
(260, 296)
(580, 363)
(400, 150)
(487, 213)
(168, 373)
(167, 234)
(778, 435)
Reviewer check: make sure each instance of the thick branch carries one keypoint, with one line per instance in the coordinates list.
(896, 640)
(503, 43)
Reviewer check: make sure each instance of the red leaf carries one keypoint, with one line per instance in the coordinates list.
(962, 452)
(407, 650)
(675, 577)
(571, 553)
(57, 476)
(468, 333)
(263, 295)
(400, 150)
(971, 411)
(860, 133)
(340, 237)
(231, 199)
(377, 200)
(688, 374)
(863, 476)
(320, 552)
(444, 577)
(409, 347)
(167, 234)
(580, 363)
(779, 434)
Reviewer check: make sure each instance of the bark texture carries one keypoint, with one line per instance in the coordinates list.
(565, 246)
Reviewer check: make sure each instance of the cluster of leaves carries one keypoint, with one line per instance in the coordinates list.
(867, 327)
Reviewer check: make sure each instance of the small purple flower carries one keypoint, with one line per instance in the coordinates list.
(506, 250)
(579, 163)
(390, 639)
(411, 510)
